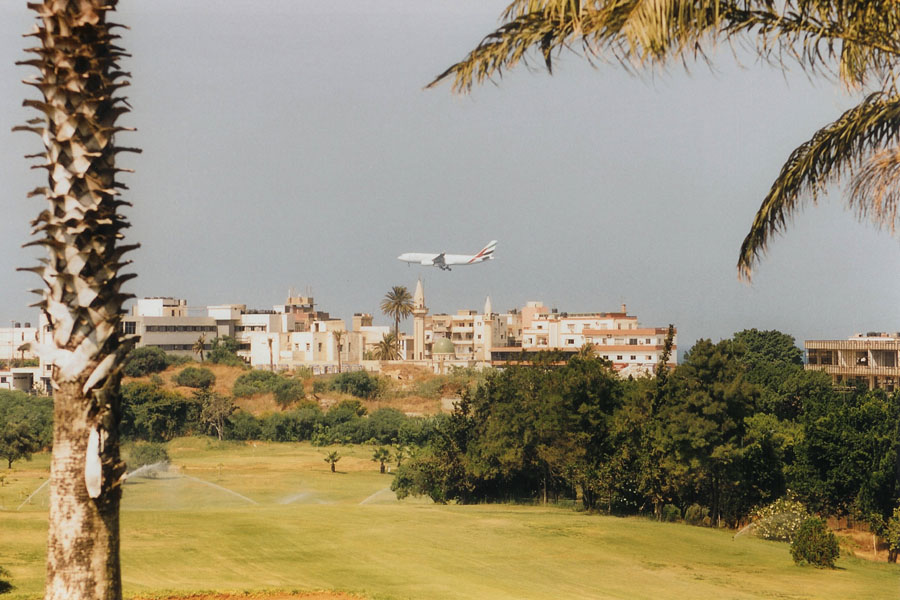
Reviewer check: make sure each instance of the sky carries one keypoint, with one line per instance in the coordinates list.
(291, 144)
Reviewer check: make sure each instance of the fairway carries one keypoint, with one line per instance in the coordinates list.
(235, 517)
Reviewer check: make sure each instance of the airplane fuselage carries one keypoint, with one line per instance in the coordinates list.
(444, 261)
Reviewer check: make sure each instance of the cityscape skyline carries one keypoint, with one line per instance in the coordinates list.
(278, 154)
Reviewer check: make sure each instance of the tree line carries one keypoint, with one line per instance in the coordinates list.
(736, 426)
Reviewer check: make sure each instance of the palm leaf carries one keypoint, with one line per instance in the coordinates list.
(861, 36)
(873, 190)
(832, 153)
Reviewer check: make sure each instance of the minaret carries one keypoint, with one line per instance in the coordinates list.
(488, 331)
(419, 311)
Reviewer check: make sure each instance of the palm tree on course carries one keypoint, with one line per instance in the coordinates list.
(856, 41)
(76, 56)
(397, 303)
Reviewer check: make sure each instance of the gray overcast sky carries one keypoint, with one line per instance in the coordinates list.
(290, 143)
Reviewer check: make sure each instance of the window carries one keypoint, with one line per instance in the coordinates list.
(619, 357)
(632, 341)
(129, 327)
(647, 341)
(307, 347)
(633, 357)
(320, 346)
(649, 357)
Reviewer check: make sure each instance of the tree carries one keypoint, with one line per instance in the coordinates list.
(146, 360)
(77, 59)
(17, 440)
(200, 346)
(381, 455)
(338, 336)
(214, 410)
(387, 349)
(398, 304)
(855, 40)
(332, 457)
(224, 351)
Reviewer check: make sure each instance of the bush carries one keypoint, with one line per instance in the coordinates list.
(357, 383)
(255, 382)
(670, 513)
(155, 414)
(288, 391)
(696, 515)
(780, 520)
(146, 453)
(243, 426)
(224, 352)
(146, 360)
(320, 386)
(195, 377)
(815, 544)
(5, 586)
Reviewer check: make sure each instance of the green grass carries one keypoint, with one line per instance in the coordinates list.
(312, 529)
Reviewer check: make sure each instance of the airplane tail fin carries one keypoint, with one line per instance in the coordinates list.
(486, 253)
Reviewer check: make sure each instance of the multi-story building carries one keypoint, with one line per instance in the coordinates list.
(13, 338)
(872, 358)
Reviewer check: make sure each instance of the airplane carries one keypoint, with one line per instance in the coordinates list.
(443, 260)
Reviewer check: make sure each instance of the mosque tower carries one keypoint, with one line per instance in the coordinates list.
(419, 311)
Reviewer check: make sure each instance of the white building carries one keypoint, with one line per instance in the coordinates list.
(12, 339)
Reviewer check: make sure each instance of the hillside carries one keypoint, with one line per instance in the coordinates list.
(412, 390)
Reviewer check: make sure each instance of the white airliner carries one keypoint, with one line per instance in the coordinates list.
(445, 261)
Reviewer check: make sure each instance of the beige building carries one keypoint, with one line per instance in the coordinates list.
(872, 358)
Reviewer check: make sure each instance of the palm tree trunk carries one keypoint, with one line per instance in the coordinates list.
(78, 78)
(83, 542)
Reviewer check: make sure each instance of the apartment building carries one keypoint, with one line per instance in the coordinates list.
(12, 339)
(872, 358)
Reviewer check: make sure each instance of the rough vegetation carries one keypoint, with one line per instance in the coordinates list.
(814, 544)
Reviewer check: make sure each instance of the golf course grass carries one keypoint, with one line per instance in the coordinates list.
(250, 517)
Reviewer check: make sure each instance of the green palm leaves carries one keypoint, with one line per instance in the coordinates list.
(857, 42)
(398, 304)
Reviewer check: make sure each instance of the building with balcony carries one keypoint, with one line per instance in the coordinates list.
(872, 358)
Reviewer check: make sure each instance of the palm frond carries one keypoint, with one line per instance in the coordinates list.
(834, 152)
(873, 190)
(860, 37)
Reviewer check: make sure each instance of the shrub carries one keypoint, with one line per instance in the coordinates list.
(815, 544)
(146, 453)
(5, 586)
(670, 513)
(696, 515)
(224, 352)
(780, 520)
(320, 386)
(243, 426)
(288, 391)
(156, 414)
(146, 360)
(195, 377)
(303, 372)
(357, 383)
(255, 382)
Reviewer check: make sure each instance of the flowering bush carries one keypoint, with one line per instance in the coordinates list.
(780, 520)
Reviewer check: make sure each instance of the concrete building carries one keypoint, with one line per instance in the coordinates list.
(872, 358)
(165, 324)
(12, 339)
